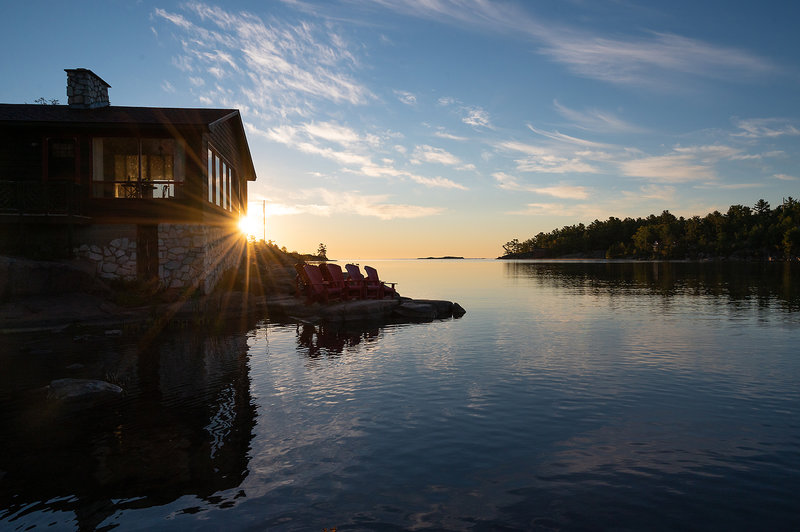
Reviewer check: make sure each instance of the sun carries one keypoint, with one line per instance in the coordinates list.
(249, 225)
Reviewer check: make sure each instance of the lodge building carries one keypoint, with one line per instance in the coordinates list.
(131, 192)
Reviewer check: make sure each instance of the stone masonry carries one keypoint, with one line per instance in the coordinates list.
(188, 255)
(85, 89)
(196, 255)
(113, 260)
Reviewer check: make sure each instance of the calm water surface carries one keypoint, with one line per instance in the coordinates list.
(571, 396)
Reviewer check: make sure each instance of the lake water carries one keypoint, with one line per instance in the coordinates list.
(571, 396)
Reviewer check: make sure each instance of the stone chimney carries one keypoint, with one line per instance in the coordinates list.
(85, 89)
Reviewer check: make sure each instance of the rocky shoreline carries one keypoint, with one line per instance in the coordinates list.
(82, 302)
(84, 310)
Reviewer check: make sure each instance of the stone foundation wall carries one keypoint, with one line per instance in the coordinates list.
(189, 256)
(225, 249)
(180, 255)
(109, 250)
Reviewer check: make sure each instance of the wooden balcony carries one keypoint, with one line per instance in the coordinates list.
(42, 199)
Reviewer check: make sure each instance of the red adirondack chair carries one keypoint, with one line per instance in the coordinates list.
(320, 290)
(326, 274)
(367, 290)
(332, 273)
(383, 288)
(301, 281)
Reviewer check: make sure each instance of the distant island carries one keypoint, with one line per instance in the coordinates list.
(742, 233)
(440, 258)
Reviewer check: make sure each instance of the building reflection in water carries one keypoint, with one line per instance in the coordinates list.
(183, 426)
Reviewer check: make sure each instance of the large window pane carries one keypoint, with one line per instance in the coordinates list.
(221, 182)
(136, 168)
(158, 156)
(231, 195)
(217, 180)
(224, 199)
(116, 162)
(210, 176)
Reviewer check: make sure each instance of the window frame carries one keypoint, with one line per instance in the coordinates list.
(220, 174)
(139, 187)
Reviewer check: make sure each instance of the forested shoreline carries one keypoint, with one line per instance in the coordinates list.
(755, 233)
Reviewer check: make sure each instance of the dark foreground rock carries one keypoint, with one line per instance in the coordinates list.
(82, 392)
(82, 310)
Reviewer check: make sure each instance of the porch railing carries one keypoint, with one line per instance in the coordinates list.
(133, 188)
(41, 198)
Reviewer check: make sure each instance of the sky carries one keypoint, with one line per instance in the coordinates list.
(415, 128)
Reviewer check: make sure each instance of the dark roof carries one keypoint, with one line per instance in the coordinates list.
(10, 112)
(42, 115)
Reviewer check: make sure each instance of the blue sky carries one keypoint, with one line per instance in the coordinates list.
(406, 128)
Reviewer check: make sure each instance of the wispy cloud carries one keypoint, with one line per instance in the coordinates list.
(438, 182)
(375, 170)
(668, 168)
(765, 128)
(477, 117)
(709, 153)
(445, 135)
(342, 135)
(547, 160)
(564, 191)
(353, 152)
(430, 154)
(574, 212)
(560, 137)
(554, 164)
(785, 177)
(283, 72)
(279, 65)
(683, 165)
(304, 138)
(378, 206)
(508, 182)
(650, 58)
(324, 202)
(406, 97)
(596, 120)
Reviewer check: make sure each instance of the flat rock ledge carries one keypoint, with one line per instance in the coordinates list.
(57, 313)
(403, 309)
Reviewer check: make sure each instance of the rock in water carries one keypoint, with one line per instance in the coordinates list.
(458, 310)
(82, 390)
(417, 310)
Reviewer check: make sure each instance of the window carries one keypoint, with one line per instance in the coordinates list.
(230, 191)
(210, 176)
(61, 159)
(127, 167)
(220, 179)
(216, 179)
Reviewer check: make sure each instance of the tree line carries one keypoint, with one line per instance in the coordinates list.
(758, 232)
